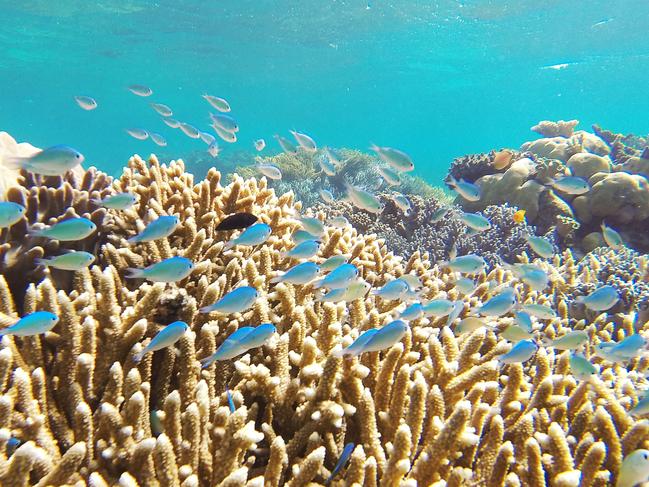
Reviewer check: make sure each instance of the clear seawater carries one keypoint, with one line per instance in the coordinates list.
(436, 79)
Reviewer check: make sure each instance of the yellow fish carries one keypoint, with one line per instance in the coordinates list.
(519, 216)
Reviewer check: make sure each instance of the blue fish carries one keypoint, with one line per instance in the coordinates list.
(230, 401)
(53, 161)
(300, 236)
(236, 301)
(438, 307)
(303, 250)
(412, 312)
(32, 324)
(10, 213)
(629, 348)
(12, 444)
(392, 290)
(166, 337)
(118, 201)
(341, 277)
(257, 234)
(498, 305)
(342, 461)
(458, 307)
(601, 299)
(299, 274)
(520, 352)
(240, 342)
(376, 339)
(523, 319)
(72, 229)
(159, 228)
(168, 270)
(332, 262)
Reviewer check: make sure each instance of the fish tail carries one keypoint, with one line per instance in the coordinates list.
(340, 352)
(228, 245)
(545, 341)
(133, 239)
(137, 358)
(275, 279)
(205, 309)
(317, 284)
(95, 201)
(43, 262)
(374, 147)
(206, 362)
(133, 273)
(15, 163)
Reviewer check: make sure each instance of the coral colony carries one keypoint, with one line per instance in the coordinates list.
(494, 341)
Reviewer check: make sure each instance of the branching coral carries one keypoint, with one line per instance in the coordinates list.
(302, 174)
(433, 408)
(407, 234)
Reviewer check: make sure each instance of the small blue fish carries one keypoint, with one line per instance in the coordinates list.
(571, 185)
(629, 348)
(466, 264)
(342, 461)
(541, 311)
(523, 319)
(32, 324)
(341, 277)
(166, 337)
(392, 177)
(257, 234)
(355, 290)
(642, 408)
(239, 342)
(392, 290)
(536, 279)
(53, 161)
(458, 307)
(286, 145)
(230, 400)
(634, 469)
(612, 238)
(398, 160)
(499, 304)
(69, 261)
(338, 221)
(581, 367)
(402, 203)
(10, 213)
(299, 274)
(303, 250)
(119, 201)
(270, 171)
(601, 299)
(465, 285)
(224, 122)
(312, 225)
(468, 191)
(541, 246)
(570, 341)
(304, 141)
(327, 196)
(437, 215)
(159, 228)
(69, 230)
(168, 270)
(332, 262)
(438, 307)
(520, 352)
(412, 312)
(300, 236)
(236, 301)
(376, 339)
(475, 221)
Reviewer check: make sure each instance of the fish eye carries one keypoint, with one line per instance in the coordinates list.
(645, 456)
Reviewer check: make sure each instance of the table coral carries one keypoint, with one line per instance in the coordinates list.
(433, 408)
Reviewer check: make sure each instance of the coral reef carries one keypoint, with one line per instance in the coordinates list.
(434, 409)
(615, 166)
(302, 174)
(407, 234)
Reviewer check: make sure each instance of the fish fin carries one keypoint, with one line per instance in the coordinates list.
(133, 273)
(317, 284)
(206, 362)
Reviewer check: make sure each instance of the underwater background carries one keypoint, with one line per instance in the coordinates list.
(434, 78)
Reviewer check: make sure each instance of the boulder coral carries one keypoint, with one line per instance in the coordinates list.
(435, 409)
(616, 171)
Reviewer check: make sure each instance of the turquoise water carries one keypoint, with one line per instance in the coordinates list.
(436, 79)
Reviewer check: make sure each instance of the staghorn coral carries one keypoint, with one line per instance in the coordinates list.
(434, 407)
